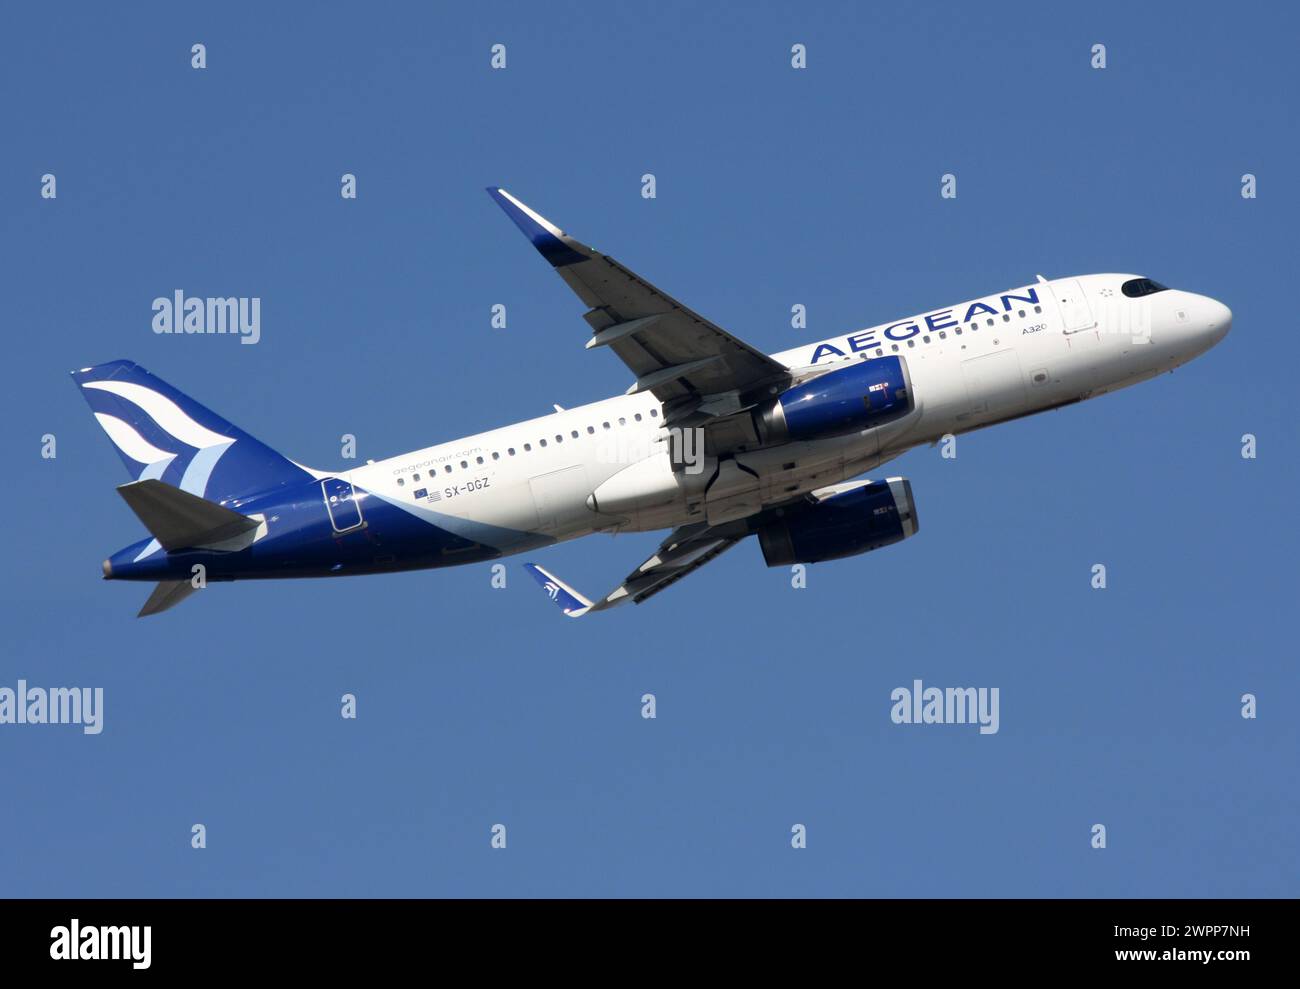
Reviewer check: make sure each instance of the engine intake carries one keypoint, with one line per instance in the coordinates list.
(843, 520)
(861, 396)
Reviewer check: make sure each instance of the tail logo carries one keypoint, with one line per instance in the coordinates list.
(173, 421)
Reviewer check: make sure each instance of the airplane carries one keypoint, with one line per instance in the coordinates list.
(714, 440)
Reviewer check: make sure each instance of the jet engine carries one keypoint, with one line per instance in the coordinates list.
(861, 396)
(839, 521)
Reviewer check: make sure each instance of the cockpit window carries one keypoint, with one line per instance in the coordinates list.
(1135, 288)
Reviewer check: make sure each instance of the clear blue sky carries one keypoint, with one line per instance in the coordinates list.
(775, 186)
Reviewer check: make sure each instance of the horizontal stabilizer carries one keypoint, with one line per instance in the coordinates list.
(167, 594)
(180, 520)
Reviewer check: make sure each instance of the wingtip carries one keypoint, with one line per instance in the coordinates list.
(566, 598)
(551, 242)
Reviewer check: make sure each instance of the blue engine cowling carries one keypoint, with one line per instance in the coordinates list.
(861, 396)
(847, 520)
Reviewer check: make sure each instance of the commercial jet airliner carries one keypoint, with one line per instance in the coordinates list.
(713, 440)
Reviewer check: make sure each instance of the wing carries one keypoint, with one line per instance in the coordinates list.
(695, 368)
(683, 552)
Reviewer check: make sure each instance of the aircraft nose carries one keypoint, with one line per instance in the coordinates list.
(1192, 324)
(1218, 320)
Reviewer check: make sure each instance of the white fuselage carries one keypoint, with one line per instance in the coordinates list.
(985, 361)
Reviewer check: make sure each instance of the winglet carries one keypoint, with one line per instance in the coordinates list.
(570, 601)
(551, 242)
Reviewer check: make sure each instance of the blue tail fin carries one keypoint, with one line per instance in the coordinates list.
(161, 433)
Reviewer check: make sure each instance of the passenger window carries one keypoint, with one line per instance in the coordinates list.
(528, 448)
(495, 455)
(591, 429)
(925, 339)
(574, 434)
(543, 442)
(511, 451)
(464, 463)
(401, 482)
(654, 413)
(911, 343)
(415, 477)
(480, 460)
(638, 417)
(605, 424)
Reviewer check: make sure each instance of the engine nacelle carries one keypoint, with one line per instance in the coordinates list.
(839, 521)
(861, 396)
